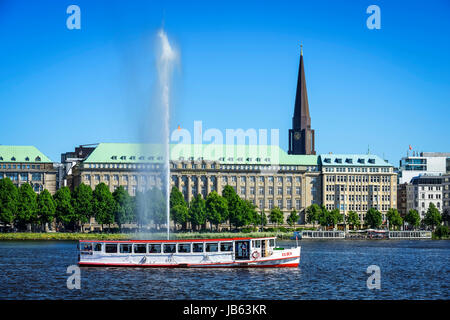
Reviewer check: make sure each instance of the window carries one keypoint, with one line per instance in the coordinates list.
(98, 247)
(140, 248)
(256, 243)
(226, 246)
(154, 248)
(184, 247)
(169, 248)
(197, 247)
(212, 247)
(111, 248)
(272, 243)
(125, 247)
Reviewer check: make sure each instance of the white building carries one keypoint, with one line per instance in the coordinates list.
(422, 191)
(430, 163)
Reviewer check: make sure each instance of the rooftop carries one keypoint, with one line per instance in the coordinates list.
(22, 154)
(345, 160)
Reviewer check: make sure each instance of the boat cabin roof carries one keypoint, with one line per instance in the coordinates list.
(176, 241)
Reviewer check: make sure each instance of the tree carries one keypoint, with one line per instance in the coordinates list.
(216, 208)
(46, 208)
(141, 209)
(324, 217)
(8, 201)
(27, 206)
(276, 216)
(413, 218)
(82, 202)
(394, 218)
(293, 218)
(124, 211)
(104, 204)
(233, 201)
(433, 217)
(246, 213)
(373, 218)
(312, 213)
(197, 211)
(353, 219)
(335, 217)
(64, 212)
(157, 206)
(179, 212)
(446, 216)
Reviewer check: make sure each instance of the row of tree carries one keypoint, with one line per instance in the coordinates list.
(219, 209)
(316, 214)
(25, 209)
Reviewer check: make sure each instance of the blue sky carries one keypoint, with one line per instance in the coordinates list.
(387, 88)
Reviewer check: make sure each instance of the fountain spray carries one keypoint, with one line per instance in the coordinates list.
(166, 60)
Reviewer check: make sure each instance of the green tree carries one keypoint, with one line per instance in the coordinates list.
(353, 219)
(46, 208)
(8, 201)
(246, 214)
(104, 204)
(441, 232)
(82, 203)
(313, 213)
(413, 218)
(335, 217)
(216, 208)
(27, 206)
(197, 211)
(373, 218)
(178, 208)
(124, 211)
(157, 206)
(394, 218)
(276, 216)
(433, 217)
(324, 217)
(141, 209)
(293, 218)
(64, 213)
(234, 203)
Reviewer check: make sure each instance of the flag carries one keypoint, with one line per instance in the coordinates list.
(410, 148)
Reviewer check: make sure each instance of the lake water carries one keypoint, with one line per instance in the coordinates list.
(416, 269)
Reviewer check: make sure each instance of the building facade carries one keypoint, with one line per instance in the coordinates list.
(431, 163)
(268, 178)
(26, 164)
(358, 183)
(446, 195)
(422, 191)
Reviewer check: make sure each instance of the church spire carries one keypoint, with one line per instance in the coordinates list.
(301, 137)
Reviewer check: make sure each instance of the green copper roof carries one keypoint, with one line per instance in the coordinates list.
(358, 160)
(22, 154)
(226, 154)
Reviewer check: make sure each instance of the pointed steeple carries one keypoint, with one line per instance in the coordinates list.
(301, 137)
(301, 119)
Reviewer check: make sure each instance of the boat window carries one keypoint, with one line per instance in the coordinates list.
(184, 247)
(197, 247)
(212, 247)
(125, 248)
(86, 247)
(256, 243)
(140, 248)
(272, 242)
(226, 246)
(169, 248)
(111, 248)
(154, 248)
(98, 247)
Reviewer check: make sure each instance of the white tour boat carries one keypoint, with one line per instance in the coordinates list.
(234, 252)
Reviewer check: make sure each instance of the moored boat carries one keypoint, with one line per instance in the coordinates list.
(234, 252)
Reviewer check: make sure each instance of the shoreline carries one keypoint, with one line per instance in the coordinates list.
(62, 236)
